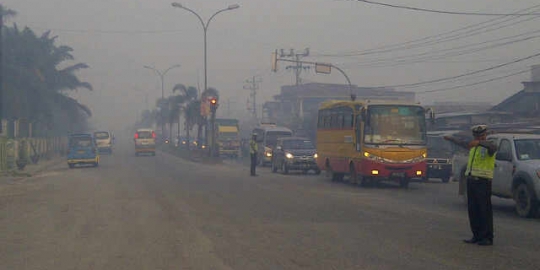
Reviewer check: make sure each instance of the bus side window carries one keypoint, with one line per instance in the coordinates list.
(327, 119)
(358, 130)
(348, 120)
(320, 119)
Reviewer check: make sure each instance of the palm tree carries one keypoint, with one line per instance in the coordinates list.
(186, 100)
(5, 13)
(35, 85)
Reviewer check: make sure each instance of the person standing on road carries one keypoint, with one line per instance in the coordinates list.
(479, 174)
(253, 150)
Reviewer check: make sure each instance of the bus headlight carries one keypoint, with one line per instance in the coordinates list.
(315, 155)
(289, 155)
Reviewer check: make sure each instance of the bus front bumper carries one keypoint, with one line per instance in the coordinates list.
(375, 169)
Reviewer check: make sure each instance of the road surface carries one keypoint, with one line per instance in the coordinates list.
(166, 213)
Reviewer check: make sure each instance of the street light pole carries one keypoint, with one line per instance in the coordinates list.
(161, 75)
(205, 30)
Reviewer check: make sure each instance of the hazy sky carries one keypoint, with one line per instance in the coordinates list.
(118, 37)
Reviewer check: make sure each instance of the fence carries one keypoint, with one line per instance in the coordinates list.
(29, 150)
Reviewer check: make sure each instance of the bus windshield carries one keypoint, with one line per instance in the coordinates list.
(395, 124)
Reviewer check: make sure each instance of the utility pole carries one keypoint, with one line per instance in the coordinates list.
(1, 70)
(253, 85)
(299, 67)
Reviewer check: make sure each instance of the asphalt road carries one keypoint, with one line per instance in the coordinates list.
(166, 213)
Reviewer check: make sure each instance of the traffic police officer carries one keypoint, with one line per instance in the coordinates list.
(479, 174)
(253, 150)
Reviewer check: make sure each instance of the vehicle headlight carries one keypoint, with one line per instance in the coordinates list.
(315, 155)
(289, 155)
(268, 154)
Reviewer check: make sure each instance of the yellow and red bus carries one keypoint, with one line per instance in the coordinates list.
(372, 141)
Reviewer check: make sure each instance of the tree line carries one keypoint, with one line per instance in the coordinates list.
(185, 104)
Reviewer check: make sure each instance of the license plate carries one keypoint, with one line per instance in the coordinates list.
(401, 174)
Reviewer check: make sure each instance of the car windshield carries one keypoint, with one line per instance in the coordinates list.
(144, 134)
(527, 149)
(81, 142)
(272, 136)
(101, 135)
(395, 124)
(439, 147)
(298, 144)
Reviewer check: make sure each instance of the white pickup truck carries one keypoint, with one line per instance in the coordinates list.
(517, 171)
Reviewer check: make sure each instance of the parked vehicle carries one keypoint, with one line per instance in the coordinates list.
(104, 140)
(145, 141)
(439, 155)
(82, 150)
(294, 153)
(517, 171)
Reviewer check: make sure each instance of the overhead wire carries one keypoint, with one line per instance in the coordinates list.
(445, 11)
(439, 38)
(98, 31)
(450, 52)
(476, 83)
(409, 85)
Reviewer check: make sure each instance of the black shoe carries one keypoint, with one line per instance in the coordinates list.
(254, 175)
(471, 241)
(485, 242)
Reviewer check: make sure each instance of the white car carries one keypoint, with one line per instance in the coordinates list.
(104, 141)
(145, 141)
(517, 171)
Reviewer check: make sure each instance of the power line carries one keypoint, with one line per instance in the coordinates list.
(462, 75)
(447, 12)
(439, 38)
(449, 52)
(97, 31)
(477, 83)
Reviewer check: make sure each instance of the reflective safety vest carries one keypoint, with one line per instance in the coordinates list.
(480, 164)
(253, 147)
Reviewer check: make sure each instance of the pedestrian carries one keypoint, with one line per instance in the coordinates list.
(479, 174)
(253, 150)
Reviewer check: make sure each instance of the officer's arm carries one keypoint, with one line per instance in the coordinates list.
(490, 146)
(458, 142)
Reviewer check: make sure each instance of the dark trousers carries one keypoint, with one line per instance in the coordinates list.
(253, 163)
(479, 206)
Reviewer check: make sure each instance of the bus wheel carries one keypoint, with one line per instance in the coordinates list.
(353, 176)
(366, 182)
(404, 182)
(336, 177)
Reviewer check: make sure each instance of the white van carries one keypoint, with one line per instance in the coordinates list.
(145, 141)
(267, 136)
(104, 141)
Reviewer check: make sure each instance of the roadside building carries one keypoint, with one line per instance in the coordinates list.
(524, 104)
(296, 106)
